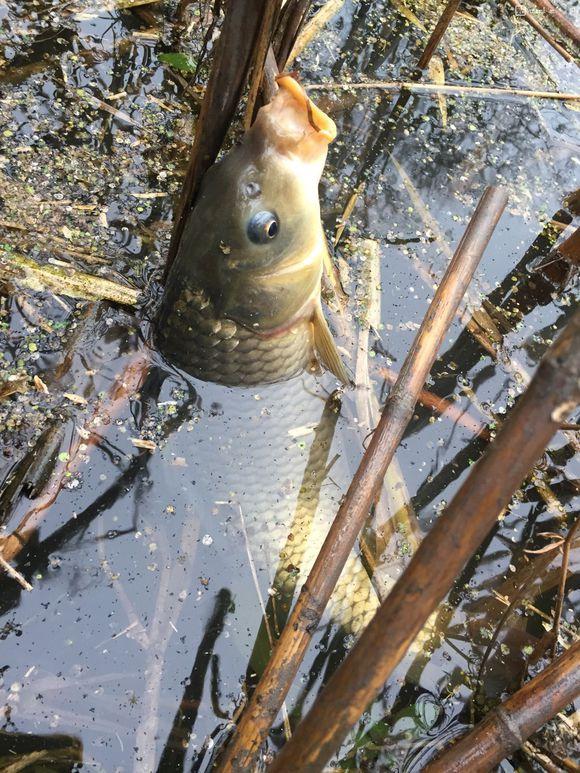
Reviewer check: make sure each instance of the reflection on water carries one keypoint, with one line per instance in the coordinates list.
(152, 570)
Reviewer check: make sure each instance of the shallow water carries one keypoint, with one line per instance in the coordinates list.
(146, 606)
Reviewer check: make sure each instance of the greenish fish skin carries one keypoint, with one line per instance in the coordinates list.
(239, 312)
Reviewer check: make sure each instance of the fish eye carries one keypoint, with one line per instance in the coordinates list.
(263, 227)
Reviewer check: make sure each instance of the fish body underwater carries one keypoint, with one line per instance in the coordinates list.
(242, 302)
(242, 310)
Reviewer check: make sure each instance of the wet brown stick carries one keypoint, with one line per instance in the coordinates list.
(533, 22)
(437, 34)
(363, 490)
(232, 61)
(553, 392)
(291, 21)
(559, 19)
(506, 728)
(263, 47)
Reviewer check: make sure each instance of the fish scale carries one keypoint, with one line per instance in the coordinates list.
(193, 336)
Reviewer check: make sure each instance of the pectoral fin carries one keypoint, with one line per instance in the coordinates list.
(326, 348)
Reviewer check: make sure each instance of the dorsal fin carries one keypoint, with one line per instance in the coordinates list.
(326, 348)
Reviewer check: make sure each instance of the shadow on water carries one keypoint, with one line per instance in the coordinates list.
(152, 571)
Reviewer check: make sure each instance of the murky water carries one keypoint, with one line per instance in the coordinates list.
(151, 570)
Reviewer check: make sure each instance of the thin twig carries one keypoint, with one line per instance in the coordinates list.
(481, 92)
(562, 585)
(265, 616)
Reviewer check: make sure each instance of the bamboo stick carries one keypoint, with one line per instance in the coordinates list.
(559, 19)
(506, 728)
(553, 393)
(287, 656)
(533, 22)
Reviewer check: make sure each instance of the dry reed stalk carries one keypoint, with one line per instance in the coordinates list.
(444, 88)
(435, 38)
(260, 57)
(562, 585)
(129, 382)
(430, 48)
(313, 27)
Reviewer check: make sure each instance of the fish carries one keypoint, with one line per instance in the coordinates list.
(242, 309)
(242, 304)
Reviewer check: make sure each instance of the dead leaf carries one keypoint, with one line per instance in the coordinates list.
(40, 385)
(409, 15)
(148, 445)
(437, 75)
(76, 399)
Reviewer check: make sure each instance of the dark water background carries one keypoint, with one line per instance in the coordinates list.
(143, 592)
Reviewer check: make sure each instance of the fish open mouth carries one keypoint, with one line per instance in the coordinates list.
(318, 120)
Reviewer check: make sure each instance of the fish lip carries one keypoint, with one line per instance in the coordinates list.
(317, 118)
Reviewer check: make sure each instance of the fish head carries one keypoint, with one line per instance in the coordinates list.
(254, 241)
